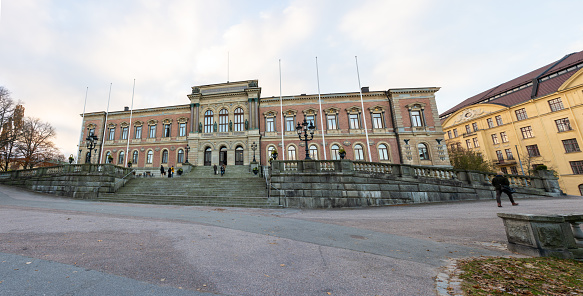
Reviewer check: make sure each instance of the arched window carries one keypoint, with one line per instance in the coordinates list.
(239, 155)
(314, 152)
(383, 152)
(121, 157)
(423, 152)
(150, 156)
(107, 155)
(208, 121)
(180, 158)
(135, 157)
(223, 121)
(239, 121)
(581, 189)
(291, 153)
(334, 153)
(358, 153)
(165, 156)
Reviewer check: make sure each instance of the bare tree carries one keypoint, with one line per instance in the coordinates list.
(11, 116)
(35, 143)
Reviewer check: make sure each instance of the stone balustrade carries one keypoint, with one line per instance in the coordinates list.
(74, 180)
(346, 183)
(545, 235)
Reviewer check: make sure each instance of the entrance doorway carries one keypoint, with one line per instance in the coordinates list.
(223, 156)
(208, 153)
(239, 155)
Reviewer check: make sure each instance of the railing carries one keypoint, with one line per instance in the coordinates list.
(68, 169)
(515, 180)
(373, 167)
(116, 186)
(435, 172)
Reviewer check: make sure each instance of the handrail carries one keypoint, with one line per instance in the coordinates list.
(122, 179)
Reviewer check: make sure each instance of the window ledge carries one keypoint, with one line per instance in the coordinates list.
(573, 152)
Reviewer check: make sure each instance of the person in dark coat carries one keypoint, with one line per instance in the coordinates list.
(162, 171)
(498, 182)
(215, 168)
(222, 170)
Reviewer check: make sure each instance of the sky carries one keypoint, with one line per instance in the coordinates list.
(54, 54)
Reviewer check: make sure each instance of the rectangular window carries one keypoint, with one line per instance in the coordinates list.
(468, 130)
(532, 150)
(91, 132)
(138, 132)
(455, 133)
(270, 124)
(577, 167)
(311, 119)
(556, 104)
(167, 130)
(571, 145)
(521, 114)
(499, 155)
(476, 143)
(504, 170)
(289, 124)
(111, 134)
(416, 119)
(449, 134)
(353, 118)
(513, 170)
(499, 120)
(331, 118)
(504, 137)
(377, 120)
(495, 139)
(152, 131)
(526, 132)
(469, 144)
(490, 122)
(475, 126)
(124, 133)
(182, 129)
(563, 124)
(509, 155)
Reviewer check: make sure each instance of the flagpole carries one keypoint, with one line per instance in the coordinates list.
(105, 124)
(130, 128)
(82, 125)
(281, 112)
(320, 102)
(363, 113)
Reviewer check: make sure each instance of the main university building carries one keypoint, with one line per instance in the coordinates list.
(221, 123)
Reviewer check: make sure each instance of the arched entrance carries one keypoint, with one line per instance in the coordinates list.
(208, 153)
(223, 156)
(239, 155)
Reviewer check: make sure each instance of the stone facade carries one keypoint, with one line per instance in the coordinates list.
(223, 121)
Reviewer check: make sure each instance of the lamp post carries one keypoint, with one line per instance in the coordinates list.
(91, 142)
(304, 128)
(254, 147)
(187, 149)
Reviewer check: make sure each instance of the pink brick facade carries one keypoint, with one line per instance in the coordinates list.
(222, 122)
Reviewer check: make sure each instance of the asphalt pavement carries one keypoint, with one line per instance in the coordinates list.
(59, 246)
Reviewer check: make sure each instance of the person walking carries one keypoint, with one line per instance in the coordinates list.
(222, 170)
(499, 182)
(172, 176)
(215, 168)
(162, 171)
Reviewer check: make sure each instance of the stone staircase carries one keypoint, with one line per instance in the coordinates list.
(200, 187)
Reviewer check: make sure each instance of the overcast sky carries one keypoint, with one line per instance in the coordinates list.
(52, 51)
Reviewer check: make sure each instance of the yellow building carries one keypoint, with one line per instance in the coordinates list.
(528, 121)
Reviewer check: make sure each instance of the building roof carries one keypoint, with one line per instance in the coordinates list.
(540, 82)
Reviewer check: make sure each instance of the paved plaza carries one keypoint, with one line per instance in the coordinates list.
(60, 246)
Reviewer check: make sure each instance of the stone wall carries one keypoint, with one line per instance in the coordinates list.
(331, 184)
(84, 181)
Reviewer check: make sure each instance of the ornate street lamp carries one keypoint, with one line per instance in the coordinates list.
(187, 149)
(254, 147)
(91, 142)
(305, 128)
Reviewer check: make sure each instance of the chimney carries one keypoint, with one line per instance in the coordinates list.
(364, 89)
(126, 108)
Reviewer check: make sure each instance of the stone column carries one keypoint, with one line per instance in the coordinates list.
(250, 108)
(196, 116)
(257, 113)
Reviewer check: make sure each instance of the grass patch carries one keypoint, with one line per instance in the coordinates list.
(521, 276)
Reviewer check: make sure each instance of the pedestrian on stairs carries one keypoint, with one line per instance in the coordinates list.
(162, 171)
(222, 170)
(169, 172)
(215, 168)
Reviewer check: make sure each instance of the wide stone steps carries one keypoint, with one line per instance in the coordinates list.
(200, 187)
